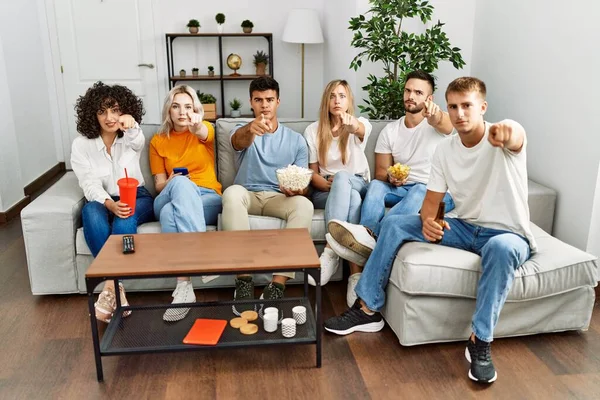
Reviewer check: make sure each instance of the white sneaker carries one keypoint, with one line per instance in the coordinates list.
(183, 293)
(329, 265)
(350, 293)
(344, 252)
(352, 236)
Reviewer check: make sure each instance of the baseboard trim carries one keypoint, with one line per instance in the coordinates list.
(14, 211)
(46, 177)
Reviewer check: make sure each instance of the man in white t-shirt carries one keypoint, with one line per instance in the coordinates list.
(411, 141)
(484, 167)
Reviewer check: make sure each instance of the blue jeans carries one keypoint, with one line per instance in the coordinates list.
(501, 252)
(99, 223)
(183, 206)
(403, 200)
(344, 198)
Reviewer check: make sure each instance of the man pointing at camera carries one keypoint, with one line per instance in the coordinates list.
(261, 147)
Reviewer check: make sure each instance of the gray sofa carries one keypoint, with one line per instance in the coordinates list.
(432, 288)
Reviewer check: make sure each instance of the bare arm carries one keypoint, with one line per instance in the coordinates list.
(507, 134)
(161, 181)
(382, 163)
(441, 123)
(318, 181)
(244, 136)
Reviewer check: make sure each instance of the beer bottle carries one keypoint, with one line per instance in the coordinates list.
(439, 218)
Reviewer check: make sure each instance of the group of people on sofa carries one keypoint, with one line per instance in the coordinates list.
(476, 168)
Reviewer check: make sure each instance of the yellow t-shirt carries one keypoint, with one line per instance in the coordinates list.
(186, 150)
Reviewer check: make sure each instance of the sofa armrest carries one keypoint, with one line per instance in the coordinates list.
(49, 225)
(542, 201)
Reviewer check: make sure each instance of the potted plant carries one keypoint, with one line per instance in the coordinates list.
(195, 71)
(182, 73)
(235, 105)
(211, 70)
(261, 59)
(193, 25)
(220, 18)
(247, 26)
(380, 37)
(209, 104)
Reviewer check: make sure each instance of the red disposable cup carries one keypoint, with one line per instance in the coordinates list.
(128, 192)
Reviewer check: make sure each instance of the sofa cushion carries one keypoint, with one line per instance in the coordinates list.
(82, 248)
(433, 270)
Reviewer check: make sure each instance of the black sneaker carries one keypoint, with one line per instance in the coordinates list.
(273, 291)
(244, 290)
(479, 354)
(355, 319)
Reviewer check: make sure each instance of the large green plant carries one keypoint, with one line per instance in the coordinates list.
(381, 39)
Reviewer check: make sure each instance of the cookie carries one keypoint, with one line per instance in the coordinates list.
(249, 329)
(249, 315)
(238, 322)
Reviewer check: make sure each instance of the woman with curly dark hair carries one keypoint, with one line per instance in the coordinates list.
(110, 142)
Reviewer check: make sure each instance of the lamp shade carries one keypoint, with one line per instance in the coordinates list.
(302, 26)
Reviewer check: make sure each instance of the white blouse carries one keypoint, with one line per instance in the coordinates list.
(98, 172)
(356, 162)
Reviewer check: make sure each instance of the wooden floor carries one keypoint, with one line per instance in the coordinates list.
(46, 352)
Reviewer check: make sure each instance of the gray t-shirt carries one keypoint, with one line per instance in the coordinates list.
(257, 164)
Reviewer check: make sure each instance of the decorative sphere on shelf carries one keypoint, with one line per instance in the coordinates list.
(234, 62)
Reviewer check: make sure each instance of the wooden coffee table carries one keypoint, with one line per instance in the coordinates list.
(202, 253)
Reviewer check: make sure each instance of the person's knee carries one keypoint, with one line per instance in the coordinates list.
(504, 248)
(342, 176)
(124, 225)
(234, 195)
(92, 211)
(178, 182)
(376, 189)
(418, 189)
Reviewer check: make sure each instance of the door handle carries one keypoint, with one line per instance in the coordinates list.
(146, 65)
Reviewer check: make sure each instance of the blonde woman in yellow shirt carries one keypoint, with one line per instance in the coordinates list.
(188, 200)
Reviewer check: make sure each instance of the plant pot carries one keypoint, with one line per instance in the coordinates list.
(220, 28)
(260, 68)
(194, 29)
(211, 73)
(194, 73)
(247, 30)
(182, 74)
(210, 111)
(236, 113)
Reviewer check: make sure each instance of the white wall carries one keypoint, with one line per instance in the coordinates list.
(10, 171)
(593, 243)
(540, 64)
(267, 16)
(32, 149)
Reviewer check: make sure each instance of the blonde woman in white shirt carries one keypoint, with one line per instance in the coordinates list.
(111, 140)
(336, 145)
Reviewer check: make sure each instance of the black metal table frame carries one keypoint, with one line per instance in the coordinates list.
(92, 283)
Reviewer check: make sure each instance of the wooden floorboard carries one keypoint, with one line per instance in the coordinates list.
(46, 353)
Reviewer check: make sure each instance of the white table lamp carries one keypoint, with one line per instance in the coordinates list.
(302, 26)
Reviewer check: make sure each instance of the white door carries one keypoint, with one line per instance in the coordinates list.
(108, 40)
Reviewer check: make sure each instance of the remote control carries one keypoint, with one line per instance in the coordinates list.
(128, 246)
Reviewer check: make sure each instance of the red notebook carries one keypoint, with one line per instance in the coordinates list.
(205, 331)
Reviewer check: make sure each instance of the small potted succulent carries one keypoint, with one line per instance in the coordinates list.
(220, 18)
(247, 26)
(194, 25)
(209, 104)
(261, 60)
(235, 105)
(195, 71)
(211, 70)
(182, 73)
